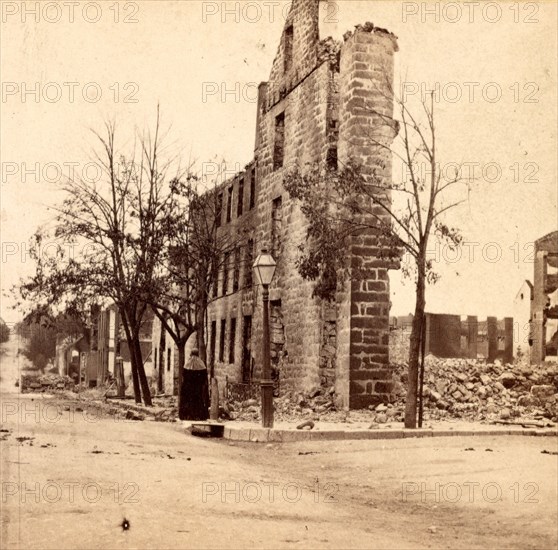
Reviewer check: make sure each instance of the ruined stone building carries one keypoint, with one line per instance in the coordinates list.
(544, 305)
(92, 356)
(522, 305)
(314, 109)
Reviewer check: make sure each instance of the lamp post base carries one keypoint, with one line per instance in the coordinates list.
(267, 403)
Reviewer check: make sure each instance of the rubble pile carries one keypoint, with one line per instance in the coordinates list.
(290, 405)
(474, 390)
(464, 389)
(31, 383)
(167, 408)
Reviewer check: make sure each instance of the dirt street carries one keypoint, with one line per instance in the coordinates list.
(71, 479)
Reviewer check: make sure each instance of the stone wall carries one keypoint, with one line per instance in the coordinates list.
(311, 112)
(453, 336)
(544, 307)
(366, 72)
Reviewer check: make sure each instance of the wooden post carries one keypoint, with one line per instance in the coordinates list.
(214, 407)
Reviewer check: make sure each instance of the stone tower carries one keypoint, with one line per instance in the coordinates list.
(314, 108)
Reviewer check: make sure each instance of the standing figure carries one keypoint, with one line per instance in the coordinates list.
(194, 393)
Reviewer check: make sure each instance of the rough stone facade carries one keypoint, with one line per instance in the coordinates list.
(522, 305)
(315, 109)
(544, 312)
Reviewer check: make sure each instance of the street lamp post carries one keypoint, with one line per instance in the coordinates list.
(264, 269)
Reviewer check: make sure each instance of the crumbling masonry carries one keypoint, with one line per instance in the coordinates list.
(312, 110)
(544, 306)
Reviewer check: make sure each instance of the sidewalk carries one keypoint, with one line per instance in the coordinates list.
(284, 432)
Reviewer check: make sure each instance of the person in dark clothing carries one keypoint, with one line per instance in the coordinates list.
(194, 393)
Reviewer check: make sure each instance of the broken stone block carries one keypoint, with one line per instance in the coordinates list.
(320, 400)
(505, 414)
(526, 401)
(542, 391)
(302, 402)
(435, 396)
(308, 425)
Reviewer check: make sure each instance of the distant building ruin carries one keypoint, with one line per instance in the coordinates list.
(522, 305)
(544, 310)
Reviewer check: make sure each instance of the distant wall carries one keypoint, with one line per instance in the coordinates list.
(454, 336)
(451, 336)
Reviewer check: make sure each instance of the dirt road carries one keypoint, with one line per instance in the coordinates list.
(71, 479)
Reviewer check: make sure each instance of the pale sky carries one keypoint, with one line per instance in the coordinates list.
(500, 58)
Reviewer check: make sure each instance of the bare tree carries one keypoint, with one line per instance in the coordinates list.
(195, 253)
(118, 225)
(345, 201)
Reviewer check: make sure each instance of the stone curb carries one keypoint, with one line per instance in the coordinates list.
(266, 435)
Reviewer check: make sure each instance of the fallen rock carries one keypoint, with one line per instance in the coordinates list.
(435, 396)
(526, 401)
(132, 415)
(306, 425)
(505, 414)
(542, 391)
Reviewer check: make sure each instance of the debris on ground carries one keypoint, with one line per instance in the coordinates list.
(454, 389)
(464, 389)
(471, 389)
(308, 425)
(31, 383)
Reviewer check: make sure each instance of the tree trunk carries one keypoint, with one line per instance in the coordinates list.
(135, 379)
(144, 384)
(200, 333)
(414, 353)
(135, 376)
(181, 362)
